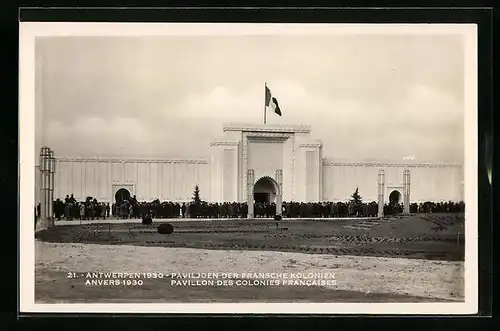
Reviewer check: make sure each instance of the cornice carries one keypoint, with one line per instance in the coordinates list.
(268, 128)
(274, 135)
(131, 160)
(314, 145)
(224, 143)
(398, 164)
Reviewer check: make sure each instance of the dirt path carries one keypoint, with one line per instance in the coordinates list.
(366, 275)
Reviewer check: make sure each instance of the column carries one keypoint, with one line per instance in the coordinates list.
(57, 179)
(47, 170)
(381, 184)
(173, 193)
(150, 180)
(52, 173)
(43, 184)
(122, 177)
(85, 191)
(72, 190)
(160, 180)
(136, 178)
(109, 189)
(95, 165)
(406, 190)
(46, 187)
(250, 180)
(279, 195)
(183, 181)
(39, 184)
(111, 173)
(82, 179)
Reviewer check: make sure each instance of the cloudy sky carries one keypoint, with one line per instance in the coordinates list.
(365, 97)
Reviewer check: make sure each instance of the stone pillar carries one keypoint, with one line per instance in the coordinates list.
(406, 191)
(279, 195)
(52, 175)
(250, 184)
(43, 184)
(47, 174)
(381, 189)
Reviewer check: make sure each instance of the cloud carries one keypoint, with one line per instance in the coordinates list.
(364, 96)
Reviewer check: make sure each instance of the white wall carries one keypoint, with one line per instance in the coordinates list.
(172, 180)
(224, 171)
(264, 149)
(428, 182)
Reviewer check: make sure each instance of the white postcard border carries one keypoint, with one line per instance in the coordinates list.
(28, 33)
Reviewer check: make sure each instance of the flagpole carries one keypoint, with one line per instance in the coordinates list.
(265, 90)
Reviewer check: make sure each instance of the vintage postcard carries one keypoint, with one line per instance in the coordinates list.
(248, 168)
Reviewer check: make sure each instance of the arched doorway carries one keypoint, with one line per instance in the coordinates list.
(122, 194)
(395, 197)
(265, 190)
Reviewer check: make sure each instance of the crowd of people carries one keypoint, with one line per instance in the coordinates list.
(92, 209)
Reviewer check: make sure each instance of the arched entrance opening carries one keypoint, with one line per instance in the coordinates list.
(395, 197)
(122, 194)
(265, 190)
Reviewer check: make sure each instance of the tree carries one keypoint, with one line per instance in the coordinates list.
(196, 195)
(356, 202)
(196, 206)
(356, 198)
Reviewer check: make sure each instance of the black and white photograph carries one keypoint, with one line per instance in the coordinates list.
(326, 168)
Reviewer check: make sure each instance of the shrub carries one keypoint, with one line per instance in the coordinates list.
(165, 228)
(147, 220)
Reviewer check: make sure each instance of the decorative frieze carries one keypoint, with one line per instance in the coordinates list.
(332, 163)
(311, 145)
(133, 160)
(268, 128)
(224, 143)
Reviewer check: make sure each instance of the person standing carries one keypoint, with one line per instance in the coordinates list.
(178, 211)
(67, 208)
(82, 211)
(135, 205)
(130, 211)
(96, 210)
(38, 210)
(183, 209)
(124, 209)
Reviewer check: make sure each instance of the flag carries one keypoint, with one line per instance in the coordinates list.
(276, 107)
(268, 96)
(272, 102)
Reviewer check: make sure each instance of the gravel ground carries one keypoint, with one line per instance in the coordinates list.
(362, 274)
